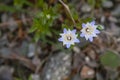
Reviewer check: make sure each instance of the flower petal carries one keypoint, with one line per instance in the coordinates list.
(97, 31)
(74, 31)
(94, 35)
(87, 37)
(77, 40)
(67, 45)
(92, 23)
(83, 25)
(82, 35)
(65, 30)
(91, 39)
(60, 39)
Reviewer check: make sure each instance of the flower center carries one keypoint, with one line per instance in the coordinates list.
(87, 29)
(69, 38)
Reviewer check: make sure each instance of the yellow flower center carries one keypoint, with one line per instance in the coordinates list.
(89, 30)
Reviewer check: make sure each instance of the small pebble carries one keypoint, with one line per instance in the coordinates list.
(86, 8)
(107, 4)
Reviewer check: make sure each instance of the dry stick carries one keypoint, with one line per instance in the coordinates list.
(41, 64)
(68, 10)
(25, 61)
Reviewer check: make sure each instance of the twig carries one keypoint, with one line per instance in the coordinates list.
(68, 10)
(41, 64)
(25, 61)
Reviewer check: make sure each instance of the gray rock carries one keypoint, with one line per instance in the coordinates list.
(22, 49)
(99, 76)
(4, 17)
(12, 24)
(114, 29)
(86, 8)
(5, 52)
(58, 67)
(3, 40)
(107, 4)
(31, 50)
(6, 73)
(116, 11)
(35, 77)
(77, 77)
(113, 19)
(113, 74)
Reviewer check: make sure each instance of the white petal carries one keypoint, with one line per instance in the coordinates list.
(86, 37)
(74, 31)
(94, 35)
(60, 39)
(92, 23)
(67, 45)
(83, 25)
(97, 31)
(82, 35)
(76, 40)
(65, 30)
(91, 39)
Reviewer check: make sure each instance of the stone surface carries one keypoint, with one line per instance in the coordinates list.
(6, 73)
(12, 24)
(116, 11)
(86, 8)
(107, 4)
(58, 67)
(35, 77)
(31, 50)
(87, 72)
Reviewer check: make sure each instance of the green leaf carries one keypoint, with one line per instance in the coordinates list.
(17, 79)
(7, 8)
(110, 59)
(21, 3)
(100, 27)
(87, 20)
(30, 77)
(37, 36)
(65, 26)
(91, 2)
(32, 29)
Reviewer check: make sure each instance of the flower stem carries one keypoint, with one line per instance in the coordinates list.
(68, 10)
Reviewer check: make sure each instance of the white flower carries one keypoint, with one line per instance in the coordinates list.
(68, 37)
(89, 30)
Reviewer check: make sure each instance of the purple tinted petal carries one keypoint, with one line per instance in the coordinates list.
(67, 45)
(91, 39)
(77, 40)
(97, 31)
(92, 23)
(82, 35)
(65, 30)
(83, 25)
(74, 31)
(60, 39)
